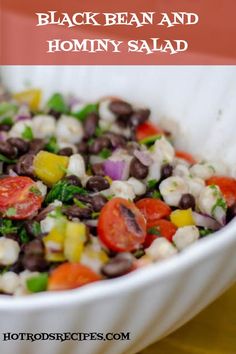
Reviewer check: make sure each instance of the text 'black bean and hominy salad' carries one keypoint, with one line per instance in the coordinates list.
(95, 191)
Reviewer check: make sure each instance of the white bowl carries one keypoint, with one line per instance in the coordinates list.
(154, 301)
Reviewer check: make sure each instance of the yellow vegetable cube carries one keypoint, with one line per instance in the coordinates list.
(74, 241)
(54, 244)
(182, 218)
(32, 97)
(50, 168)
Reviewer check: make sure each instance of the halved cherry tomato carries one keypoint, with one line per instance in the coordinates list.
(185, 156)
(153, 209)
(19, 197)
(159, 228)
(227, 186)
(121, 226)
(146, 130)
(70, 276)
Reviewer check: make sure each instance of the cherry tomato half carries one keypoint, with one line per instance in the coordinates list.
(227, 186)
(146, 130)
(185, 156)
(121, 226)
(153, 209)
(19, 197)
(70, 276)
(159, 228)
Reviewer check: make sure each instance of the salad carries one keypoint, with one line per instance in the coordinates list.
(92, 191)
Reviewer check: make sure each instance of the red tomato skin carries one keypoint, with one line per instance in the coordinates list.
(70, 276)
(146, 130)
(166, 228)
(185, 156)
(153, 209)
(227, 186)
(15, 193)
(114, 230)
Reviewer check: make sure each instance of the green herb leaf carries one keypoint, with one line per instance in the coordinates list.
(37, 283)
(5, 159)
(11, 212)
(36, 228)
(79, 203)
(153, 231)
(52, 145)
(7, 121)
(7, 108)
(156, 195)
(84, 112)
(99, 131)
(152, 183)
(24, 237)
(104, 153)
(150, 140)
(139, 253)
(57, 103)
(205, 232)
(7, 227)
(35, 191)
(27, 133)
(220, 203)
(64, 192)
(95, 215)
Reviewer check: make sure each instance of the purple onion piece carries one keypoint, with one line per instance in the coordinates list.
(206, 221)
(116, 170)
(3, 136)
(143, 157)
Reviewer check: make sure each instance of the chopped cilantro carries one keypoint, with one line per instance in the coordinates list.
(220, 203)
(152, 183)
(5, 159)
(84, 112)
(64, 192)
(156, 194)
(205, 232)
(52, 145)
(79, 203)
(139, 253)
(109, 197)
(37, 283)
(27, 133)
(7, 121)
(153, 231)
(95, 215)
(36, 228)
(99, 131)
(105, 153)
(11, 212)
(7, 227)
(57, 103)
(24, 237)
(35, 191)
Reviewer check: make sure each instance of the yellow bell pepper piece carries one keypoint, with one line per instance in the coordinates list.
(74, 241)
(54, 244)
(182, 218)
(32, 97)
(50, 168)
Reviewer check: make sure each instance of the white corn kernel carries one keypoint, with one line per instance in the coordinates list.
(154, 171)
(138, 187)
(105, 113)
(47, 224)
(172, 189)
(42, 188)
(196, 185)
(43, 126)
(185, 236)
(122, 189)
(163, 151)
(212, 203)
(9, 282)
(9, 251)
(19, 127)
(203, 170)
(160, 249)
(69, 130)
(76, 166)
(181, 170)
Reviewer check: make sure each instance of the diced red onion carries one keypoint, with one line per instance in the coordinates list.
(205, 221)
(220, 216)
(3, 136)
(23, 113)
(19, 118)
(116, 170)
(143, 157)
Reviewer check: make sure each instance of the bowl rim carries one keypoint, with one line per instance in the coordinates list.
(203, 248)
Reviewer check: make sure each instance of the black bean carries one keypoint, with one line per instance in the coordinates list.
(84, 198)
(137, 169)
(82, 147)
(121, 108)
(34, 247)
(98, 144)
(90, 124)
(231, 212)
(17, 267)
(121, 264)
(36, 145)
(44, 212)
(75, 211)
(97, 183)
(187, 201)
(5, 127)
(98, 202)
(86, 159)
(7, 168)
(21, 145)
(73, 180)
(67, 151)
(98, 169)
(54, 113)
(24, 166)
(8, 150)
(123, 121)
(116, 140)
(140, 116)
(34, 262)
(166, 171)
